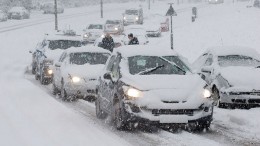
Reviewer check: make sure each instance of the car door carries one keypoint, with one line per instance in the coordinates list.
(103, 85)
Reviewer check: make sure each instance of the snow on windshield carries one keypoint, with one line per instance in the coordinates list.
(237, 60)
(63, 44)
(90, 58)
(95, 26)
(152, 65)
(131, 12)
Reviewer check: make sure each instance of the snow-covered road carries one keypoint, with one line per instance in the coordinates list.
(30, 115)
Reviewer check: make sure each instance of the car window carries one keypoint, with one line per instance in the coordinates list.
(92, 58)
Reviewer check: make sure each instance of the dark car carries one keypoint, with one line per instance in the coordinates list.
(140, 85)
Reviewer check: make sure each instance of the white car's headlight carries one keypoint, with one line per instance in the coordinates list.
(125, 18)
(50, 71)
(85, 35)
(102, 36)
(75, 79)
(136, 18)
(134, 93)
(206, 93)
(116, 28)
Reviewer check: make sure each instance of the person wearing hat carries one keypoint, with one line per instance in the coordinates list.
(132, 40)
(108, 42)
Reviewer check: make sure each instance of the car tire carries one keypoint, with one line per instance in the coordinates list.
(99, 112)
(216, 98)
(63, 93)
(54, 89)
(118, 118)
(43, 80)
(33, 70)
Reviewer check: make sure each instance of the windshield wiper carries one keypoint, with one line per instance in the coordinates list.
(172, 63)
(150, 70)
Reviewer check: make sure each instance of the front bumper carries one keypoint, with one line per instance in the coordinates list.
(168, 116)
(81, 90)
(242, 98)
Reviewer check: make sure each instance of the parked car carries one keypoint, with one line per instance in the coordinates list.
(3, 16)
(133, 16)
(48, 51)
(138, 31)
(216, 1)
(48, 8)
(113, 27)
(76, 72)
(138, 85)
(92, 32)
(117, 41)
(233, 74)
(18, 13)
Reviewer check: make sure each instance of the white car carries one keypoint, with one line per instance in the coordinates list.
(18, 13)
(233, 74)
(48, 51)
(76, 72)
(139, 85)
(133, 16)
(113, 27)
(93, 32)
(3, 16)
(138, 31)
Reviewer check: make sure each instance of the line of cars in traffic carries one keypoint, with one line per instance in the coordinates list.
(142, 84)
(14, 13)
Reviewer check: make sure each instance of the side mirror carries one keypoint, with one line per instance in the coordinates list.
(58, 64)
(107, 76)
(206, 69)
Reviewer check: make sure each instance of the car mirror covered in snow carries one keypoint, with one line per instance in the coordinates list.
(107, 76)
(206, 69)
(58, 64)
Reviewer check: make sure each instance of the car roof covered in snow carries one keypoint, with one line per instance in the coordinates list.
(144, 50)
(87, 49)
(234, 50)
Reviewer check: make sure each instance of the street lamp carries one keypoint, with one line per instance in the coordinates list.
(171, 13)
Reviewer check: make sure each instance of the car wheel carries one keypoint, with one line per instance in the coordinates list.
(36, 76)
(54, 89)
(43, 80)
(99, 113)
(216, 98)
(63, 93)
(118, 118)
(33, 70)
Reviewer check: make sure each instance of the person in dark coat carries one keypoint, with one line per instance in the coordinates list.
(108, 43)
(132, 40)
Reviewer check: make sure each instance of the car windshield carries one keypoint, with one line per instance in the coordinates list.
(63, 44)
(87, 57)
(147, 65)
(95, 27)
(237, 60)
(131, 12)
(112, 22)
(177, 61)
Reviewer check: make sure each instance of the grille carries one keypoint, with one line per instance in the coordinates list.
(245, 93)
(158, 112)
(254, 101)
(238, 100)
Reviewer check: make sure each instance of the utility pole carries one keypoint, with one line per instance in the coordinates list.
(101, 8)
(149, 4)
(56, 14)
(171, 13)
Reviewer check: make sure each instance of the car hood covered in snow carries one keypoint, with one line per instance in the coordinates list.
(84, 71)
(160, 89)
(242, 78)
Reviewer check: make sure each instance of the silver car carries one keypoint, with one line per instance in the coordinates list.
(18, 13)
(233, 75)
(76, 72)
(92, 32)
